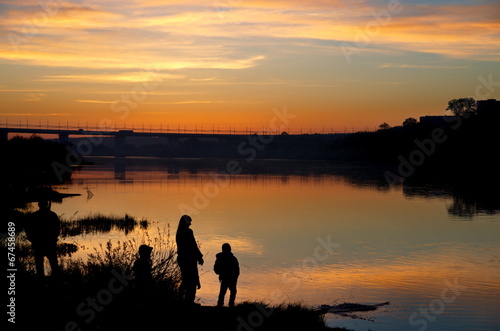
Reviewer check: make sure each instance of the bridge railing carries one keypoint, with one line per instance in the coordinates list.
(168, 128)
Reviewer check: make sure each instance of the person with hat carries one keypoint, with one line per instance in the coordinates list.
(42, 229)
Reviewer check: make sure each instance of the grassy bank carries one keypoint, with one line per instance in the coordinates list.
(100, 294)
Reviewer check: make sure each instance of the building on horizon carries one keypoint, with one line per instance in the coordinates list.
(488, 109)
(443, 121)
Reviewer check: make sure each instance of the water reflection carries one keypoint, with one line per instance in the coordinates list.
(467, 201)
(395, 243)
(120, 169)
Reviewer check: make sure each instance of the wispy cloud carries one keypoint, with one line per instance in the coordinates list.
(95, 101)
(27, 90)
(271, 52)
(36, 114)
(209, 79)
(169, 37)
(134, 77)
(183, 102)
(189, 102)
(420, 66)
(35, 97)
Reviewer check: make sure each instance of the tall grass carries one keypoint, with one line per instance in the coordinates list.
(120, 256)
(99, 223)
(87, 275)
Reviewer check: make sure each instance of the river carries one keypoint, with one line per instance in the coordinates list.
(313, 232)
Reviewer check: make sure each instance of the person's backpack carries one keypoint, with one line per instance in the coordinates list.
(218, 267)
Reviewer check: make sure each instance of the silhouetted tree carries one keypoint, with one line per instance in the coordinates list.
(462, 107)
(384, 126)
(410, 121)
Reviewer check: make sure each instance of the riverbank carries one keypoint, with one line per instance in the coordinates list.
(116, 306)
(100, 293)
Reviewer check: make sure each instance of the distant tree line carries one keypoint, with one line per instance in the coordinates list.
(26, 166)
(464, 148)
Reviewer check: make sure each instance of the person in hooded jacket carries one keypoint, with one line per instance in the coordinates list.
(188, 258)
(143, 269)
(227, 267)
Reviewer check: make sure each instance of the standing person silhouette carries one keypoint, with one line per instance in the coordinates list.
(143, 269)
(188, 257)
(42, 229)
(227, 267)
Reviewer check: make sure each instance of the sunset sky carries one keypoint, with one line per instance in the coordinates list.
(333, 64)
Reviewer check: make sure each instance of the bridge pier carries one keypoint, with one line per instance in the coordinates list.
(4, 135)
(63, 138)
(120, 145)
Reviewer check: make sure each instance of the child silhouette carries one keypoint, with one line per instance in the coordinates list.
(143, 268)
(227, 267)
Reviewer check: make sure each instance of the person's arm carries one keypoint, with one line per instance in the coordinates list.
(216, 265)
(28, 227)
(55, 226)
(196, 251)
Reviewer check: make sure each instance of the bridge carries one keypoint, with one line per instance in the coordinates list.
(121, 135)
(173, 133)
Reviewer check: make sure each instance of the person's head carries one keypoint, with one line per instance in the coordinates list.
(43, 204)
(185, 220)
(145, 251)
(226, 247)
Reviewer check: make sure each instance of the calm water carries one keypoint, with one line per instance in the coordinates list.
(314, 233)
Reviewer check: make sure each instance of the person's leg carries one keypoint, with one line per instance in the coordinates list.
(232, 289)
(182, 290)
(193, 280)
(39, 262)
(190, 292)
(184, 277)
(222, 293)
(54, 265)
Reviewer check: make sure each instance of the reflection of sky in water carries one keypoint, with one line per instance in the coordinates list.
(388, 247)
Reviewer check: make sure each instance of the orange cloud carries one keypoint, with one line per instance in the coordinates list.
(64, 39)
(134, 77)
(243, 53)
